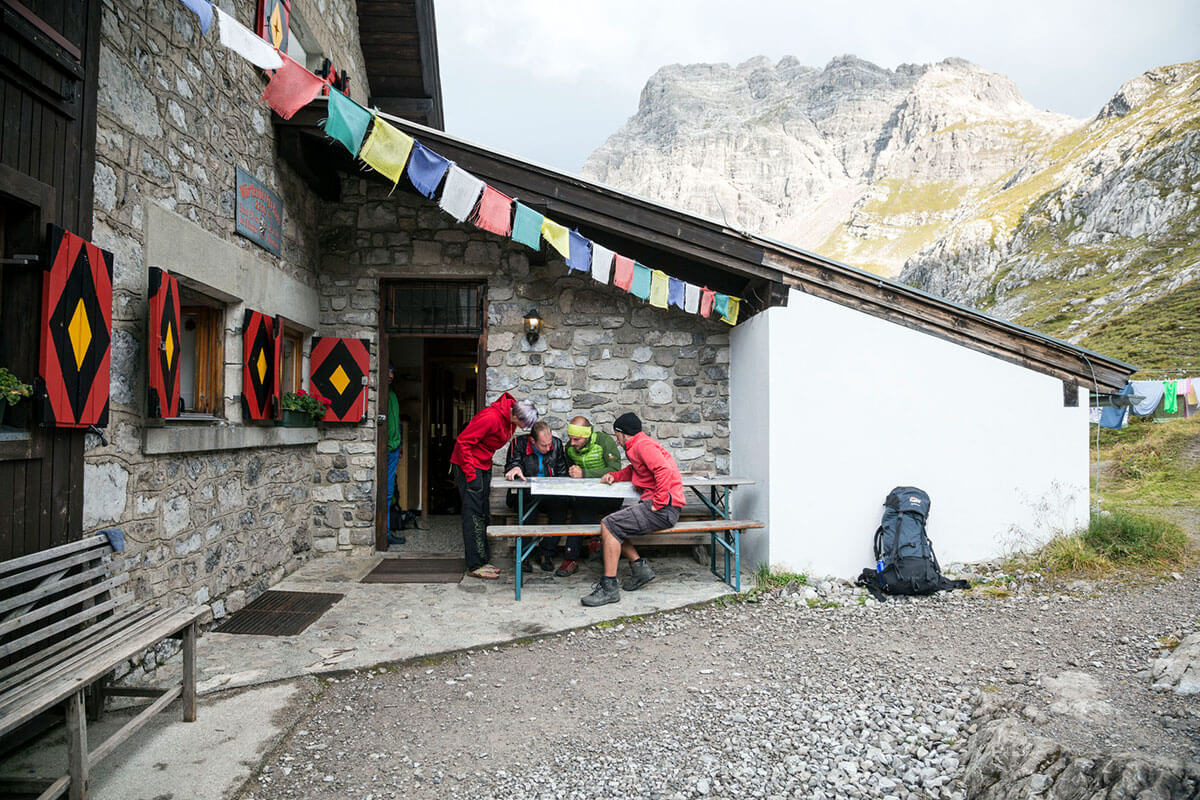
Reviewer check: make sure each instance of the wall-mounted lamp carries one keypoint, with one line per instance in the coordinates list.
(533, 325)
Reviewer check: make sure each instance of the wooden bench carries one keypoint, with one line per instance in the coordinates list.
(63, 630)
(723, 534)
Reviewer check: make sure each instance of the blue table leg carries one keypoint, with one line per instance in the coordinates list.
(517, 569)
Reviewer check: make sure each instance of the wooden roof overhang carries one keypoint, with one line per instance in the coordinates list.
(399, 44)
(755, 268)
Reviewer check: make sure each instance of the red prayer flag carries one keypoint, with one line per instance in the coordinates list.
(623, 272)
(494, 214)
(292, 87)
(707, 298)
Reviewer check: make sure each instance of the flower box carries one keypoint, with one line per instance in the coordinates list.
(294, 419)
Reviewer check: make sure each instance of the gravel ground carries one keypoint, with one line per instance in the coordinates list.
(768, 699)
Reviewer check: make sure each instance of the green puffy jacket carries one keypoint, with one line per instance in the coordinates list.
(395, 433)
(601, 455)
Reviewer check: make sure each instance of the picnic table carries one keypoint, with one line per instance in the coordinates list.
(713, 492)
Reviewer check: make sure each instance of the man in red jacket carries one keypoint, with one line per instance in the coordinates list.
(653, 470)
(487, 432)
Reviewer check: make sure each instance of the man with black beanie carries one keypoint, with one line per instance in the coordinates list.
(653, 470)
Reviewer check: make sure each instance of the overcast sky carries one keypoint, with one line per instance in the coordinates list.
(549, 80)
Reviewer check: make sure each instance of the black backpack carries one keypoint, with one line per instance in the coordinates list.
(904, 559)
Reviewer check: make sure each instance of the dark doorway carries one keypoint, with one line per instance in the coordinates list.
(434, 339)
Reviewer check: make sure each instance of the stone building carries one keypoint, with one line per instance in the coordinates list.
(217, 505)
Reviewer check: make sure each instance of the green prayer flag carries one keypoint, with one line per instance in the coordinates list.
(347, 121)
(641, 281)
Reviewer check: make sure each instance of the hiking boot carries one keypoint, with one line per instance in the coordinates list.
(568, 568)
(605, 591)
(641, 575)
(546, 563)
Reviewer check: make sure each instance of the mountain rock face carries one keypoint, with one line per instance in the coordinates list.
(944, 175)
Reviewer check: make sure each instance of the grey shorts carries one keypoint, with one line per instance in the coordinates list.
(640, 518)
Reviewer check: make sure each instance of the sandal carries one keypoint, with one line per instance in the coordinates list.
(487, 572)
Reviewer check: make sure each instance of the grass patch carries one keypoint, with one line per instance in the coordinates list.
(1150, 465)
(766, 579)
(1118, 540)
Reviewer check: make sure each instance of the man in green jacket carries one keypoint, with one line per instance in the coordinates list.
(395, 444)
(592, 453)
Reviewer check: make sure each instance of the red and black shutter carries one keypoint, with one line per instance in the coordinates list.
(337, 371)
(260, 366)
(76, 333)
(271, 22)
(163, 345)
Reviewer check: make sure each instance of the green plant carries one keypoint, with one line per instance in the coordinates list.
(312, 404)
(1113, 540)
(12, 388)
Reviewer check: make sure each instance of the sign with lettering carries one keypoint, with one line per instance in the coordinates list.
(259, 213)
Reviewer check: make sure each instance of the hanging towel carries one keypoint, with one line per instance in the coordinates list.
(527, 227)
(494, 214)
(580, 257)
(1170, 398)
(347, 121)
(425, 169)
(292, 87)
(1151, 392)
(731, 314)
(721, 305)
(1191, 394)
(623, 272)
(707, 300)
(691, 298)
(1113, 416)
(601, 263)
(660, 284)
(459, 194)
(241, 40)
(641, 281)
(386, 150)
(204, 10)
(675, 293)
(557, 236)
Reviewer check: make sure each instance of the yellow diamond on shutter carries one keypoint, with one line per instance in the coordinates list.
(262, 366)
(276, 28)
(340, 380)
(81, 334)
(170, 345)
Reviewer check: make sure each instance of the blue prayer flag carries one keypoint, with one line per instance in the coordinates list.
(581, 253)
(675, 293)
(527, 227)
(203, 10)
(425, 169)
(641, 281)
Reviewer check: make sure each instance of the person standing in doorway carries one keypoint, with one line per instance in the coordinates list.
(395, 446)
(653, 470)
(471, 461)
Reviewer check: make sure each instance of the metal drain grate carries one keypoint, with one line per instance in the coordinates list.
(280, 613)
(417, 570)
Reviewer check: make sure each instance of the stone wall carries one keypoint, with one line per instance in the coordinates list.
(601, 352)
(177, 113)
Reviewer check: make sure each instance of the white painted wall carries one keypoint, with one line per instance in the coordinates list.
(749, 432)
(858, 405)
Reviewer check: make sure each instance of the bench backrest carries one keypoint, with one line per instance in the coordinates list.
(49, 596)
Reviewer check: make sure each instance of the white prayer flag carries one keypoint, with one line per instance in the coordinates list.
(460, 192)
(601, 262)
(241, 40)
(691, 298)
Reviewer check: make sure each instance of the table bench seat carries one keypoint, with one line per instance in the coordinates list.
(722, 534)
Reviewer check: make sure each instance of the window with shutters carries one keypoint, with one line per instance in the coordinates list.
(291, 375)
(202, 354)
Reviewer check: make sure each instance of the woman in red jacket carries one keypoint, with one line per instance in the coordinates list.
(487, 432)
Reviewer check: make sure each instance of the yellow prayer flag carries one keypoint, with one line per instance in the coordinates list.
(386, 150)
(732, 314)
(557, 236)
(659, 286)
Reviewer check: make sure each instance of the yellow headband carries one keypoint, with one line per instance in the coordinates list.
(578, 430)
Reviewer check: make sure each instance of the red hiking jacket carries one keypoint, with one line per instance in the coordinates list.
(653, 470)
(487, 432)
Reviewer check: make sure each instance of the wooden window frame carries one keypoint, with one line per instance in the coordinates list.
(208, 400)
(294, 381)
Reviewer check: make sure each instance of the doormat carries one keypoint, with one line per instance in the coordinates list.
(446, 569)
(280, 613)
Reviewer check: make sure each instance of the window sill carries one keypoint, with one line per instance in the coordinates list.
(198, 438)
